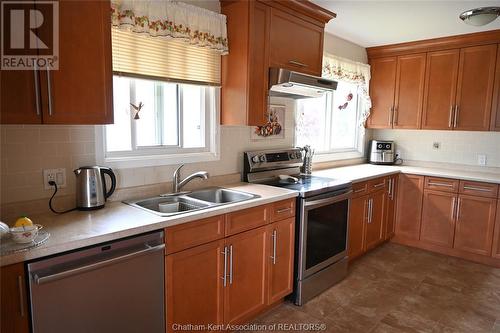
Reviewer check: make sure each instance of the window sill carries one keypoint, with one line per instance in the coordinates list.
(337, 156)
(158, 160)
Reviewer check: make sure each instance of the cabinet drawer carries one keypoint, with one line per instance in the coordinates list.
(283, 209)
(479, 189)
(183, 236)
(247, 219)
(441, 184)
(359, 189)
(377, 184)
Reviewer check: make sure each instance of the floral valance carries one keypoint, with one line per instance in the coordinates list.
(172, 19)
(341, 69)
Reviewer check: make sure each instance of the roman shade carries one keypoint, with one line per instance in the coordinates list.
(167, 41)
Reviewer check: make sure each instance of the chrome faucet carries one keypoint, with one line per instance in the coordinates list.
(178, 184)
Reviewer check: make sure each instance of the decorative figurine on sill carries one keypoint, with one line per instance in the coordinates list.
(273, 127)
(137, 109)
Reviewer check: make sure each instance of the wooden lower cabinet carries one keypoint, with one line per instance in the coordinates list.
(194, 292)
(438, 218)
(475, 223)
(357, 222)
(495, 253)
(374, 234)
(280, 259)
(14, 300)
(409, 206)
(245, 294)
(390, 219)
(229, 280)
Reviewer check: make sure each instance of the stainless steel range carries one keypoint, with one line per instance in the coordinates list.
(321, 218)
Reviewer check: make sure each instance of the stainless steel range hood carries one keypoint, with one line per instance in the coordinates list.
(287, 83)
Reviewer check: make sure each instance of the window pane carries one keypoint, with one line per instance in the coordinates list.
(170, 115)
(311, 122)
(118, 134)
(146, 129)
(344, 117)
(193, 116)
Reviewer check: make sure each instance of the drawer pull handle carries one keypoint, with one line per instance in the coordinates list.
(361, 190)
(481, 189)
(440, 184)
(283, 210)
(274, 236)
(21, 295)
(297, 63)
(379, 185)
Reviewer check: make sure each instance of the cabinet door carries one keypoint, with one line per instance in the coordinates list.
(495, 111)
(392, 190)
(258, 63)
(382, 86)
(374, 234)
(475, 223)
(295, 44)
(80, 92)
(475, 87)
(194, 285)
(16, 110)
(438, 218)
(409, 94)
(440, 89)
(358, 212)
(282, 239)
(496, 239)
(14, 300)
(245, 294)
(409, 206)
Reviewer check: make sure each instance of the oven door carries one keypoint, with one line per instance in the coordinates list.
(323, 231)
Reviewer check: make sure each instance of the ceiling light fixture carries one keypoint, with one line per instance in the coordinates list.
(480, 16)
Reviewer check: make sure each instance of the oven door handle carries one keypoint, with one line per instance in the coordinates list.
(327, 201)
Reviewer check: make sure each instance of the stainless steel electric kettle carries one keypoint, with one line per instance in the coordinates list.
(91, 187)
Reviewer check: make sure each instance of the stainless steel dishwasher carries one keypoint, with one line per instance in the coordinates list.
(113, 287)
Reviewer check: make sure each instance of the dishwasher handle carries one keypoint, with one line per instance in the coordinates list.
(61, 275)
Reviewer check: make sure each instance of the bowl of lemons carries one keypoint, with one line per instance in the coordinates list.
(24, 230)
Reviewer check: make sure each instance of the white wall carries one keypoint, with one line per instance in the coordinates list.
(345, 49)
(456, 147)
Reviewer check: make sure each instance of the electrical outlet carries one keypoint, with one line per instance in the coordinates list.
(56, 175)
(436, 145)
(481, 159)
(398, 154)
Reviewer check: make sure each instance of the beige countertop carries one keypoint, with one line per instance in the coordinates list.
(362, 172)
(79, 229)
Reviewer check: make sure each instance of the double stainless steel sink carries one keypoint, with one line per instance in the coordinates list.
(179, 203)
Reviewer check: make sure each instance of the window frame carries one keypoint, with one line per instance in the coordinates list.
(341, 153)
(143, 156)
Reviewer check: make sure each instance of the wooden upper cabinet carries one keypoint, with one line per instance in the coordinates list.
(475, 88)
(358, 211)
(438, 218)
(295, 43)
(14, 300)
(382, 88)
(194, 286)
(409, 206)
(495, 108)
(409, 95)
(245, 69)
(375, 225)
(475, 220)
(440, 89)
(246, 291)
(496, 238)
(19, 103)
(282, 243)
(81, 91)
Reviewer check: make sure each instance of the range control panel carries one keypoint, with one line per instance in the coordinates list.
(268, 158)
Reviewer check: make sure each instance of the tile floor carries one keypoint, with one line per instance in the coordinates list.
(401, 289)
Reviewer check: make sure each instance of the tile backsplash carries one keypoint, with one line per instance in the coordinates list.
(457, 147)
